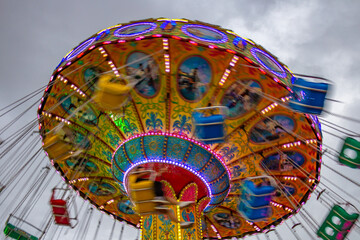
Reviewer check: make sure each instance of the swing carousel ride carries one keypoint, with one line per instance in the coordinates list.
(235, 130)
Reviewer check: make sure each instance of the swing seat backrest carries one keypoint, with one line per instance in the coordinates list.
(110, 96)
(350, 153)
(255, 201)
(60, 212)
(309, 96)
(337, 224)
(56, 148)
(209, 129)
(254, 214)
(257, 196)
(142, 194)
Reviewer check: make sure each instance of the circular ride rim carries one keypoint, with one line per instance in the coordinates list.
(225, 65)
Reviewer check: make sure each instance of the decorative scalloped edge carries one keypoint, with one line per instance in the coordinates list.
(189, 193)
(168, 189)
(203, 203)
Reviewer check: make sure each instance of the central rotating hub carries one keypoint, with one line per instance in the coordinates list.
(186, 160)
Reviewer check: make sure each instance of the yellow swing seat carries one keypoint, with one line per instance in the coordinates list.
(142, 195)
(111, 96)
(56, 148)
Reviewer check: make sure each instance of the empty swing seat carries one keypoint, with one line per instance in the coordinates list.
(350, 153)
(255, 201)
(27, 232)
(209, 129)
(60, 211)
(337, 224)
(110, 96)
(56, 148)
(309, 97)
(17, 233)
(142, 195)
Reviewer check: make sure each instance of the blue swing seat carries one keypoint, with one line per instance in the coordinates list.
(209, 129)
(255, 201)
(309, 97)
(254, 214)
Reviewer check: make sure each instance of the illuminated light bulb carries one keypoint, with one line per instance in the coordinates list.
(230, 51)
(262, 71)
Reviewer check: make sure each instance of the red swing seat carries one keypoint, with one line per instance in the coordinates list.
(60, 211)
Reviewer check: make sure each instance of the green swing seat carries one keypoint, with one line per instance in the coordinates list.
(17, 233)
(337, 224)
(350, 145)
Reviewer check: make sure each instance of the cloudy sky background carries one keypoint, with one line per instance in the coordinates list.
(311, 37)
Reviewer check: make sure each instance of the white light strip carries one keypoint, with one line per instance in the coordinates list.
(269, 108)
(291, 178)
(293, 144)
(46, 114)
(166, 55)
(111, 63)
(227, 71)
(278, 205)
(72, 86)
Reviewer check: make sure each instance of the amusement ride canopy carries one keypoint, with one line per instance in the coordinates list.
(228, 125)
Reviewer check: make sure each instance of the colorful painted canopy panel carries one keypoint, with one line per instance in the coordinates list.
(177, 66)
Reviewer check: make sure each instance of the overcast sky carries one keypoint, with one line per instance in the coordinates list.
(310, 36)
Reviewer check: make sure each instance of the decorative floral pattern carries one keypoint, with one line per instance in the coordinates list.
(153, 122)
(182, 125)
(229, 153)
(167, 228)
